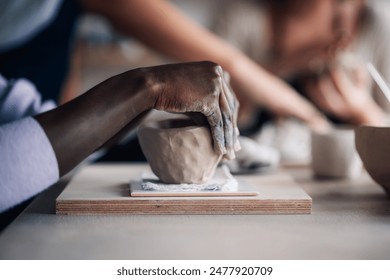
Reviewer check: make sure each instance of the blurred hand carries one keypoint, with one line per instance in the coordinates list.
(345, 94)
(200, 87)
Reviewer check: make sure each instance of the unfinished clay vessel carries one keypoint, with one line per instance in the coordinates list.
(179, 151)
(373, 145)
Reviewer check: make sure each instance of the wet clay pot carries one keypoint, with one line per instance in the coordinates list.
(178, 150)
(373, 146)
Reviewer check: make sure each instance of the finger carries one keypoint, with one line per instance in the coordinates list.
(231, 130)
(233, 107)
(227, 117)
(226, 76)
(226, 106)
(316, 95)
(361, 76)
(237, 145)
(330, 96)
(228, 91)
(214, 119)
(311, 88)
(342, 82)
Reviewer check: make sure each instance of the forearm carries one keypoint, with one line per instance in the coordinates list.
(162, 27)
(81, 126)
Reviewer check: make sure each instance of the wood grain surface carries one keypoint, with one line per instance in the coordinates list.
(94, 191)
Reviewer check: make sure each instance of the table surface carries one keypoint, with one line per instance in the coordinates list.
(350, 219)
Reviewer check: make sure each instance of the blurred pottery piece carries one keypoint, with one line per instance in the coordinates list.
(333, 154)
(179, 151)
(373, 145)
(253, 157)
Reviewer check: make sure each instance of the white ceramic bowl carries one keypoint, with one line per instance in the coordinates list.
(179, 151)
(373, 145)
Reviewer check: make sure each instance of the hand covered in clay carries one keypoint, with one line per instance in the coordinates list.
(201, 87)
(345, 94)
(109, 110)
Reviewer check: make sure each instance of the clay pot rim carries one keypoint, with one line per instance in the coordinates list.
(339, 129)
(365, 128)
(374, 143)
(376, 127)
(367, 146)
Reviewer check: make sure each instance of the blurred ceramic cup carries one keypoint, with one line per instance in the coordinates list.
(178, 150)
(333, 154)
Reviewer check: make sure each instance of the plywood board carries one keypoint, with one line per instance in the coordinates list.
(104, 189)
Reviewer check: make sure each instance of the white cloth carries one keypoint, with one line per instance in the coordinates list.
(221, 181)
(28, 164)
(35, 15)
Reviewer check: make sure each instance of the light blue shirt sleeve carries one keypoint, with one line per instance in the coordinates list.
(28, 164)
(20, 98)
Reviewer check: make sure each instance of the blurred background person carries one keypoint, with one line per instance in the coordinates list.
(36, 40)
(320, 48)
